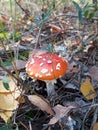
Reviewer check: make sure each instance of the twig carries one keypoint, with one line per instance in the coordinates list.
(23, 125)
(38, 39)
(30, 126)
(74, 16)
(20, 6)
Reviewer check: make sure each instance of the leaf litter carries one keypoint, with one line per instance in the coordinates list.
(65, 37)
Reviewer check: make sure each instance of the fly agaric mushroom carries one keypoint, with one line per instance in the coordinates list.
(46, 67)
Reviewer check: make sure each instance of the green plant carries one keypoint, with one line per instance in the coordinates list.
(15, 36)
(8, 127)
(88, 11)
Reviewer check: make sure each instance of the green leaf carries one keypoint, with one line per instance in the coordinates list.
(91, 15)
(79, 10)
(47, 15)
(80, 16)
(17, 128)
(38, 22)
(91, 5)
(16, 36)
(3, 34)
(4, 128)
(6, 81)
(86, 13)
(77, 6)
(6, 63)
(86, 6)
(49, 48)
(7, 128)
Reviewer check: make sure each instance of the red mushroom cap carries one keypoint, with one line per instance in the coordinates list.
(46, 66)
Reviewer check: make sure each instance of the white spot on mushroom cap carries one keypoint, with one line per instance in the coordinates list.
(51, 70)
(28, 69)
(48, 74)
(39, 57)
(58, 66)
(44, 71)
(41, 64)
(40, 76)
(32, 61)
(49, 61)
(36, 75)
(44, 59)
(59, 56)
(31, 73)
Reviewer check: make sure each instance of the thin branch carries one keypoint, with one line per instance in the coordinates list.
(74, 16)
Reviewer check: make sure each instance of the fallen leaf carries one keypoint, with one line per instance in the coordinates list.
(60, 112)
(20, 1)
(20, 64)
(29, 38)
(71, 67)
(55, 29)
(4, 19)
(94, 72)
(87, 89)
(95, 127)
(74, 70)
(36, 52)
(21, 99)
(8, 97)
(41, 103)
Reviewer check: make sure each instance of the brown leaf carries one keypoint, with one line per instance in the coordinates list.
(29, 38)
(41, 103)
(21, 99)
(95, 126)
(55, 29)
(60, 111)
(4, 19)
(94, 72)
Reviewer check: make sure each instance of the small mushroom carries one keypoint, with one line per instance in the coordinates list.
(46, 67)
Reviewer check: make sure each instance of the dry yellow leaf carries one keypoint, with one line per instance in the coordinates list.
(87, 89)
(8, 101)
(6, 113)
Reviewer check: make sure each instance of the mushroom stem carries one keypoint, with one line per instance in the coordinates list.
(51, 88)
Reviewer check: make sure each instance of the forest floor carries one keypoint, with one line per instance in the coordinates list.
(76, 105)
